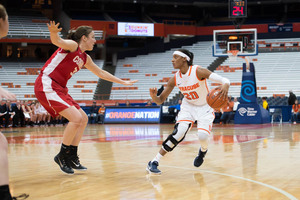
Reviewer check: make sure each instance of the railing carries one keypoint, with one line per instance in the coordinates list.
(263, 45)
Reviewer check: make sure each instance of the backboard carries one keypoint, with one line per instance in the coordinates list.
(243, 40)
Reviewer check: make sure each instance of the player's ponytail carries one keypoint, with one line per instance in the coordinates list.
(79, 32)
(189, 54)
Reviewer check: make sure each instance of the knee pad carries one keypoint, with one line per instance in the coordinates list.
(203, 135)
(180, 130)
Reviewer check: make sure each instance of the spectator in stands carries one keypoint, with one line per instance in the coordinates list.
(295, 112)
(11, 113)
(101, 113)
(127, 103)
(227, 112)
(46, 117)
(235, 104)
(4, 182)
(117, 104)
(93, 115)
(50, 88)
(42, 114)
(149, 103)
(18, 119)
(218, 115)
(59, 120)
(4, 113)
(27, 113)
(292, 98)
(33, 114)
(265, 103)
(191, 81)
(174, 110)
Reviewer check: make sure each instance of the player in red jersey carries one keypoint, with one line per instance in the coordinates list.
(51, 91)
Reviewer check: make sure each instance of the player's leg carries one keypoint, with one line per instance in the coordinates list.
(4, 187)
(182, 126)
(178, 134)
(203, 135)
(75, 163)
(205, 118)
(62, 158)
(184, 123)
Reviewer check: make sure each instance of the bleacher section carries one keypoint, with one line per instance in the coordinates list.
(154, 70)
(28, 27)
(19, 78)
(276, 73)
(34, 27)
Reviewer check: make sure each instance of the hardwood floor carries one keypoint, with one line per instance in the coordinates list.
(244, 162)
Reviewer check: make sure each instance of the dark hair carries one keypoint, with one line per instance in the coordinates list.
(3, 12)
(189, 54)
(79, 32)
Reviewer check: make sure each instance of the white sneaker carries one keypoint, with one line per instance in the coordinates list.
(295, 123)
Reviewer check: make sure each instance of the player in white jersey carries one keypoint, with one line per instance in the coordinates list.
(192, 82)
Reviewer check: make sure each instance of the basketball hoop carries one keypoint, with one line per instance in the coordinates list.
(232, 54)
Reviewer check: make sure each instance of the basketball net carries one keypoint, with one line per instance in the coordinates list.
(232, 54)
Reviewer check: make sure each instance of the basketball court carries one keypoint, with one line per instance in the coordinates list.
(243, 162)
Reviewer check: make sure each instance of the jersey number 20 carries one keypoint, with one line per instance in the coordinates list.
(191, 96)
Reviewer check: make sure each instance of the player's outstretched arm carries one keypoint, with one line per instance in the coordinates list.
(165, 93)
(90, 65)
(6, 94)
(54, 29)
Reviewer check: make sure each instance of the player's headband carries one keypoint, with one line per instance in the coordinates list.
(182, 55)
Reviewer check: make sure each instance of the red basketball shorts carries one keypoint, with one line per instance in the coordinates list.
(53, 97)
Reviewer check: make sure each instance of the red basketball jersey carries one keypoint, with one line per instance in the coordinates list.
(63, 64)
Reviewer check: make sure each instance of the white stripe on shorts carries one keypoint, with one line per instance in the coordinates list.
(49, 92)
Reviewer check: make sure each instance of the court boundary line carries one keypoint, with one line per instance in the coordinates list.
(288, 195)
(242, 178)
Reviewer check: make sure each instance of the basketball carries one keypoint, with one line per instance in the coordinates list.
(213, 99)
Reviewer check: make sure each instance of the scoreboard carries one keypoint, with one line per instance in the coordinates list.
(237, 8)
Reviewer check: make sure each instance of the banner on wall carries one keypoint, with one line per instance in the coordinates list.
(135, 29)
(132, 115)
(280, 28)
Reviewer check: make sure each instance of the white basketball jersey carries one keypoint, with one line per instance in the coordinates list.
(193, 89)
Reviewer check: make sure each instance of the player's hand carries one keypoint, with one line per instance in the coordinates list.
(53, 28)
(153, 92)
(6, 94)
(224, 91)
(129, 82)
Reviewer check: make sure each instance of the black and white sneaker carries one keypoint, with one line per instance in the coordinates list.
(152, 168)
(200, 158)
(75, 163)
(63, 163)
